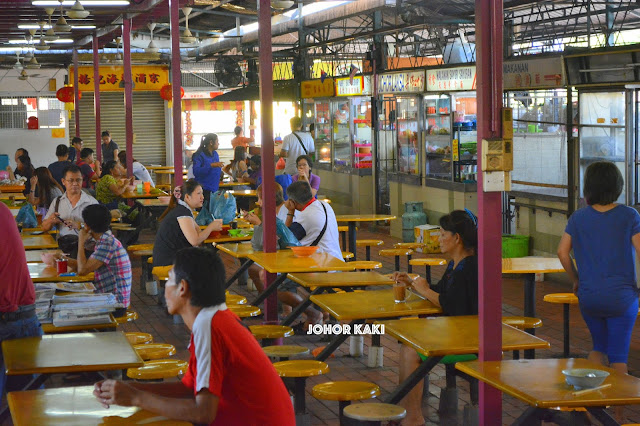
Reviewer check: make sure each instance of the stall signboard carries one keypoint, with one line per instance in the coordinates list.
(317, 88)
(533, 73)
(401, 82)
(450, 79)
(146, 78)
(348, 86)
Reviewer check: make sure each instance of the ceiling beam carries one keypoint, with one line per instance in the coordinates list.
(221, 13)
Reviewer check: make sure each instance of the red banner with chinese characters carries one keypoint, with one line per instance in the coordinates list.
(146, 78)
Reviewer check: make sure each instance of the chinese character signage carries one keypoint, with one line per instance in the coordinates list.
(449, 79)
(401, 82)
(533, 73)
(350, 86)
(147, 78)
(317, 89)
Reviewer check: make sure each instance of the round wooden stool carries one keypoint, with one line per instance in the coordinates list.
(127, 317)
(368, 244)
(294, 374)
(374, 413)
(365, 264)
(162, 272)
(522, 323)
(155, 350)
(267, 333)
(566, 299)
(284, 352)
(159, 369)
(343, 231)
(136, 338)
(145, 251)
(427, 262)
(396, 253)
(344, 392)
(235, 299)
(346, 255)
(245, 311)
(137, 247)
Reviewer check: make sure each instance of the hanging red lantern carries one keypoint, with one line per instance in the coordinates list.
(166, 92)
(66, 94)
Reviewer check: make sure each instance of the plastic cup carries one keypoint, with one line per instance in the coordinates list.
(147, 187)
(61, 266)
(399, 292)
(139, 188)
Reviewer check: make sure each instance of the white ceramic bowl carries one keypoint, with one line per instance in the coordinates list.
(584, 378)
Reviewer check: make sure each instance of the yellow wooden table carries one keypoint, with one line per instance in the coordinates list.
(52, 329)
(35, 256)
(237, 250)
(130, 195)
(541, 384)
(243, 192)
(230, 184)
(41, 273)
(35, 242)
(12, 188)
(15, 195)
(227, 239)
(154, 168)
(284, 261)
(353, 219)
(154, 203)
(76, 406)
(166, 176)
(358, 307)
(437, 337)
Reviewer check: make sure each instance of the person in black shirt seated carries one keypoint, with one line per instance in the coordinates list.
(456, 293)
(179, 229)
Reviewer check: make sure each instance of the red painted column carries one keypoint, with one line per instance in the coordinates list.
(176, 83)
(268, 164)
(128, 94)
(489, 20)
(96, 96)
(76, 92)
(252, 131)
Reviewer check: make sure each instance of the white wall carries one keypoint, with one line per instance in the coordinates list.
(37, 83)
(39, 143)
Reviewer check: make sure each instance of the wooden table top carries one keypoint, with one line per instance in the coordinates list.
(284, 261)
(540, 382)
(170, 171)
(228, 239)
(76, 406)
(454, 335)
(41, 273)
(342, 279)
(35, 242)
(135, 194)
(11, 188)
(363, 217)
(35, 256)
(69, 353)
(231, 184)
(15, 195)
(531, 265)
(372, 305)
(237, 250)
(52, 329)
(160, 167)
(243, 193)
(153, 202)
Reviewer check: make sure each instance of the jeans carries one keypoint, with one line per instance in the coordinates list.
(29, 327)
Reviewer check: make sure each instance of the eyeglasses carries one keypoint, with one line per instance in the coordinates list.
(73, 180)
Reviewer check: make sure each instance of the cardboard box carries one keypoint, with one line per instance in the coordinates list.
(429, 235)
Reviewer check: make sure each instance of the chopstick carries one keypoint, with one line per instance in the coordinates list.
(582, 392)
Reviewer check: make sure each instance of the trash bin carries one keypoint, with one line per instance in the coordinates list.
(515, 245)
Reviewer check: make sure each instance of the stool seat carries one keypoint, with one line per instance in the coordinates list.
(396, 252)
(428, 261)
(127, 317)
(412, 246)
(412, 276)
(235, 299)
(345, 390)
(343, 228)
(374, 412)
(136, 338)
(522, 323)
(319, 349)
(155, 350)
(347, 255)
(162, 272)
(285, 351)
(562, 298)
(245, 311)
(150, 260)
(143, 252)
(158, 369)
(270, 331)
(138, 247)
(301, 368)
(369, 243)
(365, 264)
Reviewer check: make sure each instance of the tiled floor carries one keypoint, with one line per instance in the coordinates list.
(154, 320)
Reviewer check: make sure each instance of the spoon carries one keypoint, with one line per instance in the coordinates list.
(591, 375)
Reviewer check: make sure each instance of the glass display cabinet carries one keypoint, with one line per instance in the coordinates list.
(342, 141)
(437, 140)
(363, 133)
(408, 135)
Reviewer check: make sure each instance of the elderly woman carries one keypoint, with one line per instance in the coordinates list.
(456, 293)
(179, 229)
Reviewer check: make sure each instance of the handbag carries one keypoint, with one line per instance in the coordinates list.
(281, 164)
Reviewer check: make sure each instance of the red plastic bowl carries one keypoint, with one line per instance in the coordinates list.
(304, 251)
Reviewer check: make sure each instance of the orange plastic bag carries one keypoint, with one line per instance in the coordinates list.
(280, 165)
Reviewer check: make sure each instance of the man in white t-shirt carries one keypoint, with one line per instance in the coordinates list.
(296, 144)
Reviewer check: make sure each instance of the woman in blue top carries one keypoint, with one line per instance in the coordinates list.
(207, 166)
(603, 237)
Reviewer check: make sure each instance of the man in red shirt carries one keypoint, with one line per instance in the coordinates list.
(240, 139)
(229, 381)
(17, 295)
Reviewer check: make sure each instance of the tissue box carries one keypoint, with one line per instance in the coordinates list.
(429, 235)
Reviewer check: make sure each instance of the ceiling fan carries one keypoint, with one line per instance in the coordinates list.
(24, 76)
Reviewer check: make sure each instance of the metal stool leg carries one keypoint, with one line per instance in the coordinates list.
(368, 251)
(397, 263)
(427, 270)
(409, 266)
(565, 314)
(344, 241)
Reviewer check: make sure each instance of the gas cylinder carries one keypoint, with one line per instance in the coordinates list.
(413, 216)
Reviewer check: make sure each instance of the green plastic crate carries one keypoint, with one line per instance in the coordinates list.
(515, 245)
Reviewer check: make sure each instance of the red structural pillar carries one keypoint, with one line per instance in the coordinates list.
(176, 83)
(268, 164)
(96, 96)
(76, 92)
(128, 94)
(489, 20)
